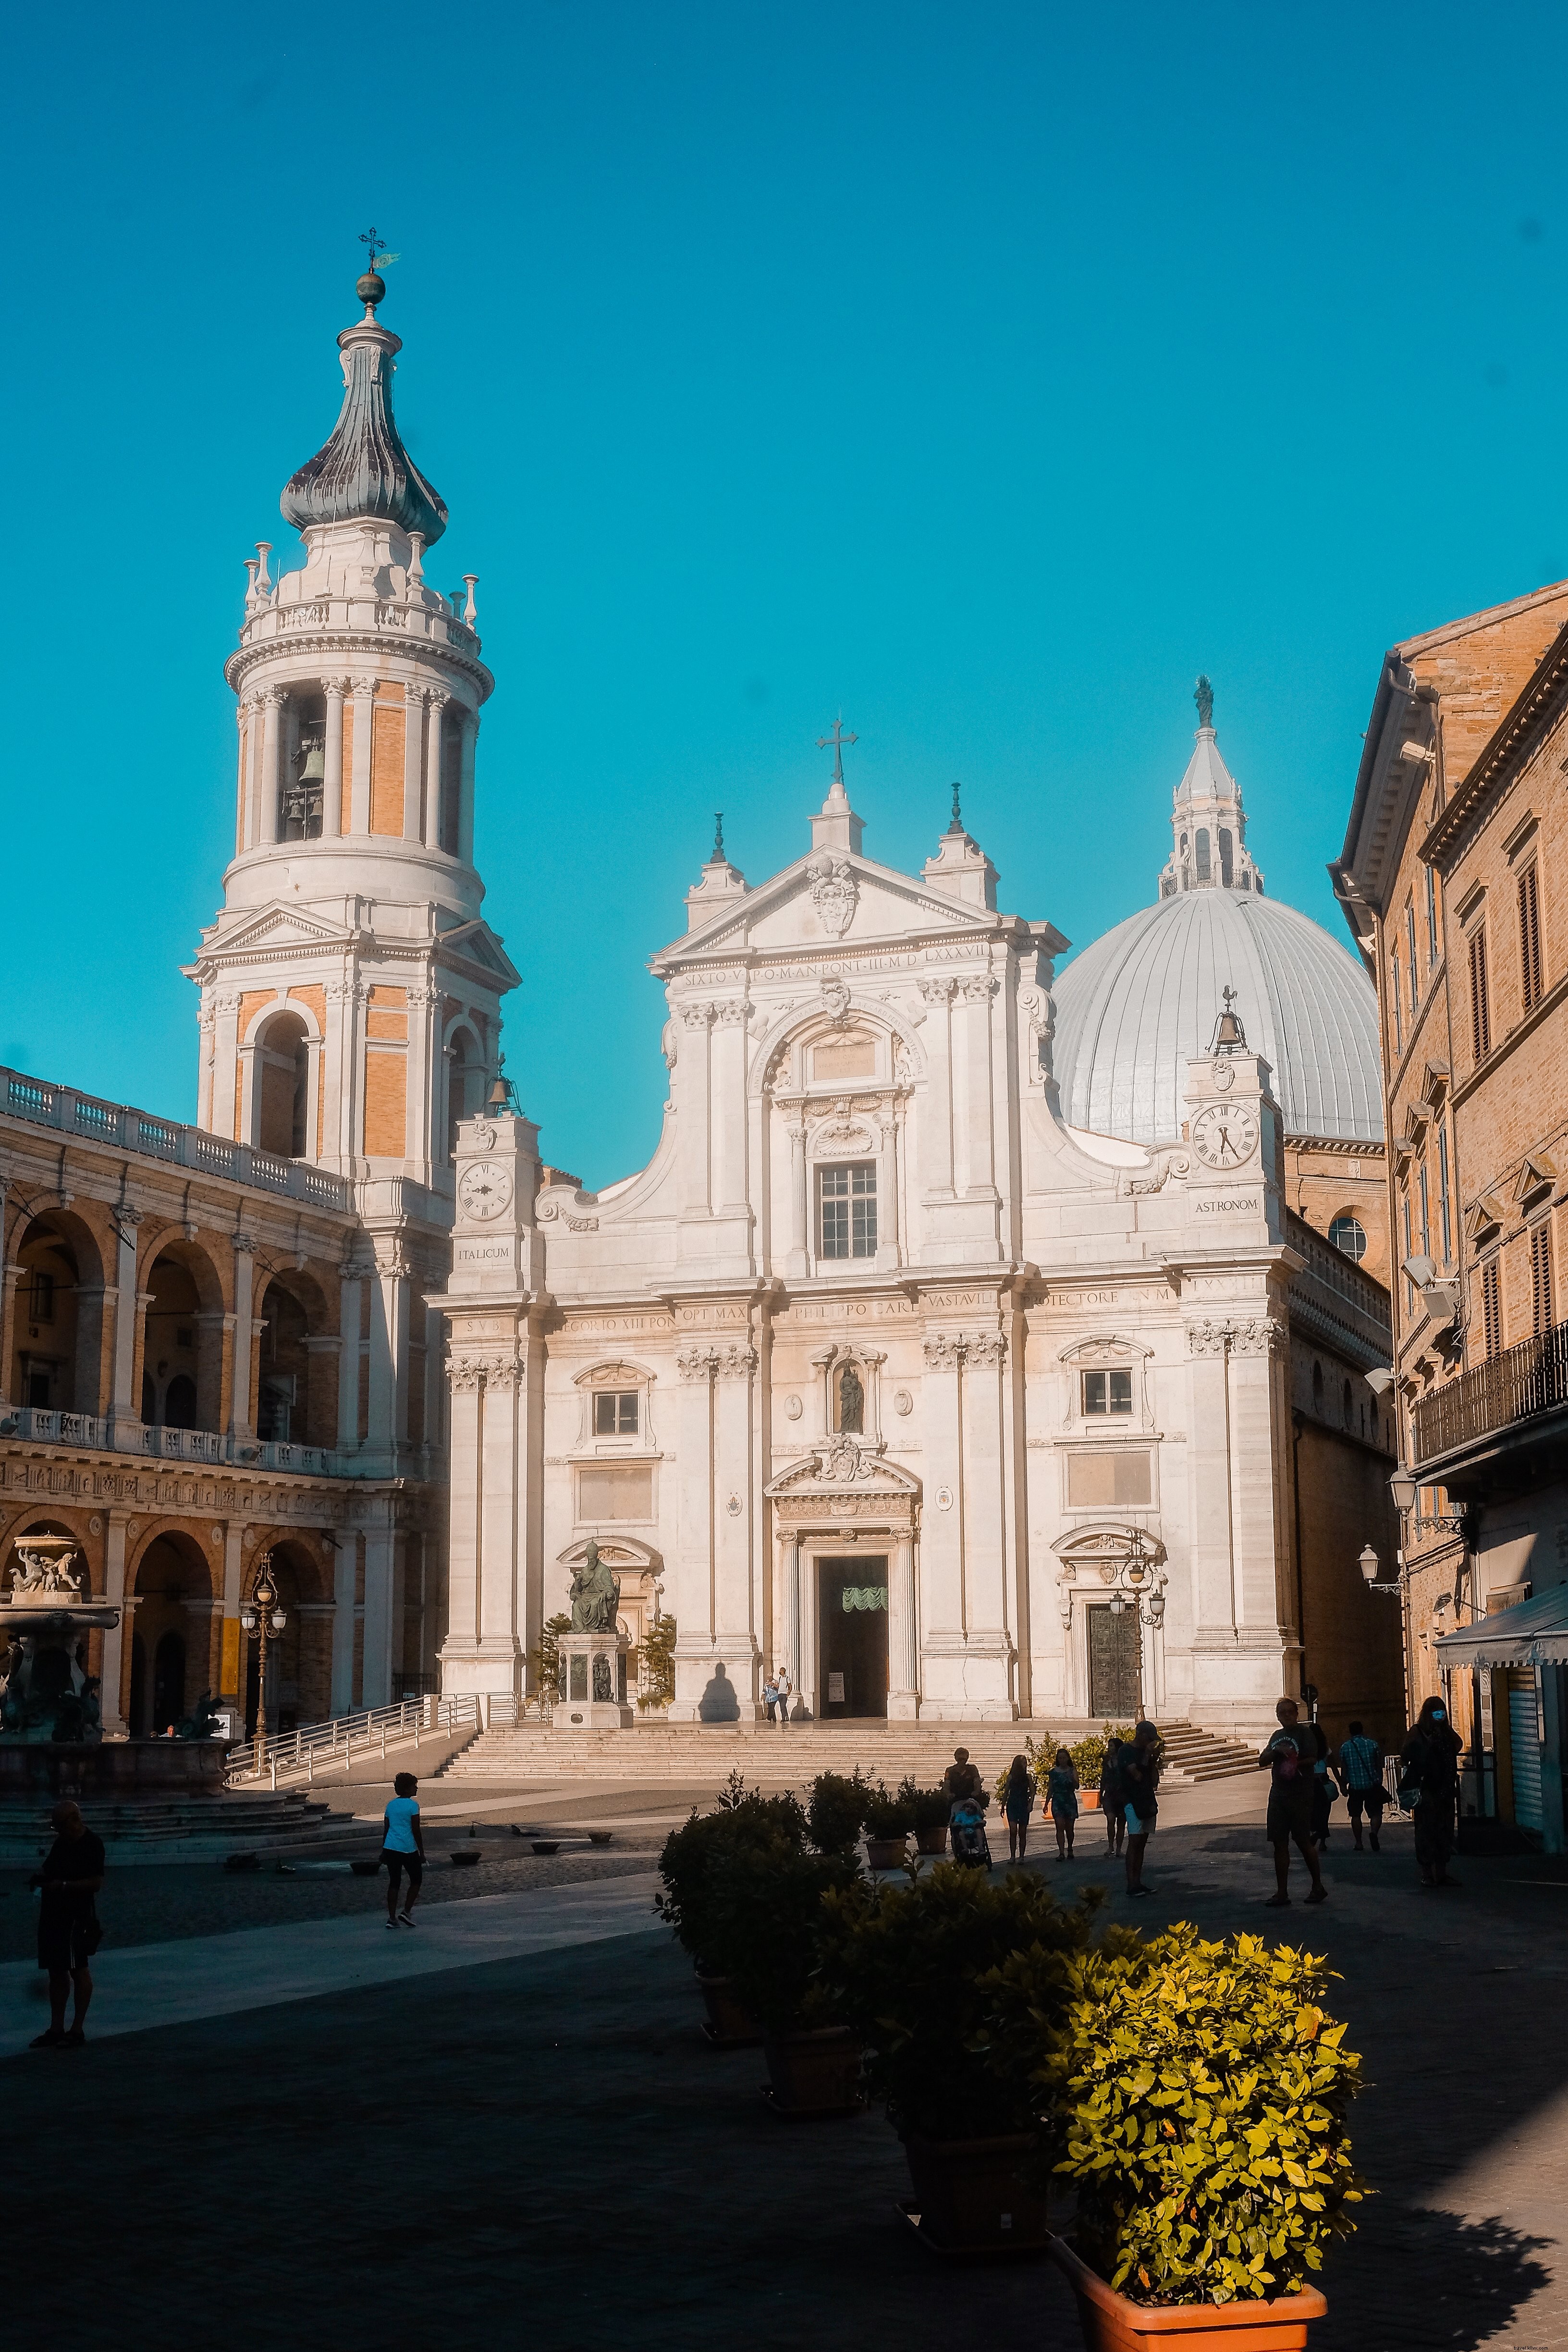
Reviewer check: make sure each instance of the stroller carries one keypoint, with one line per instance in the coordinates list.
(970, 1844)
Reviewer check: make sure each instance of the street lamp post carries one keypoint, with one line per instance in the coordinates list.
(260, 1615)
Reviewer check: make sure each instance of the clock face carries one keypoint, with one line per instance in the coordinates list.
(484, 1191)
(1225, 1135)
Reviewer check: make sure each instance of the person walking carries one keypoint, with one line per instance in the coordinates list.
(1290, 1757)
(1018, 1803)
(1140, 1781)
(69, 1930)
(1061, 1796)
(787, 1692)
(403, 1848)
(1429, 1782)
(1111, 1803)
(770, 1697)
(1361, 1775)
(962, 1782)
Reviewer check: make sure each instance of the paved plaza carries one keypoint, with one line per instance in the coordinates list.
(290, 2122)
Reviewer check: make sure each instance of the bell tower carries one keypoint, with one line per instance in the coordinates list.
(351, 987)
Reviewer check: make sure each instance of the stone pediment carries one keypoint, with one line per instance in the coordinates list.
(839, 1466)
(829, 899)
(278, 925)
(475, 942)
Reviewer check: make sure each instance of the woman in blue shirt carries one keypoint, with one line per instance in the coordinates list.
(403, 1848)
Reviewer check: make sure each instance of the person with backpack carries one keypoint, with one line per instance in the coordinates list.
(1290, 1758)
(1110, 1801)
(1429, 1785)
(403, 1848)
(1361, 1775)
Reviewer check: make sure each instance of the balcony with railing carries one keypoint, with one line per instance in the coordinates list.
(84, 1430)
(68, 1112)
(1520, 1385)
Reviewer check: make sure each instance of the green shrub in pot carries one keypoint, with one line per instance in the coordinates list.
(1088, 1754)
(889, 1814)
(763, 1912)
(1198, 2102)
(905, 1964)
(928, 1808)
(688, 1863)
(836, 1810)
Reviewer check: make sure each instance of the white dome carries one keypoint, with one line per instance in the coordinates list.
(1135, 1006)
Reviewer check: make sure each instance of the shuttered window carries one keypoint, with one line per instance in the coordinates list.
(1480, 1008)
(1410, 955)
(1491, 1310)
(1529, 936)
(1443, 1213)
(1431, 914)
(1393, 1000)
(1540, 1278)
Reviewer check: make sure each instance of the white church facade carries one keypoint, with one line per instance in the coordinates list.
(960, 1347)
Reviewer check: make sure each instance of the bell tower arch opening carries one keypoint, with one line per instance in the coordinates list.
(282, 1089)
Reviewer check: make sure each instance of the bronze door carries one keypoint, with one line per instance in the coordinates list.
(1115, 1666)
(852, 1625)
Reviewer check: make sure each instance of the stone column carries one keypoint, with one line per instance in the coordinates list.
(423, 1094)
(971, 1110)
(232, 1667)
(413, 763)
(332, 761)
(359, 778)
(936, 1127)
(695, 1598)
(345, 1604)
(983, 1502)
(435, 703)
(1209, 1499)
(250, 788)
(226, 1063)
(733, 1514)
(350, 1318)
(124, 1405)
(381, 1648)
(464, 1574)
(272, 700)
(727, 1082)
(241, 799)
(694, 1098)
(885, 1126)
(240, 1414)
(470, 738)
(797, 1262)
(389, 1354)
(903, 1634)
(113, 1669)
(787, 1645)
(10, 1276)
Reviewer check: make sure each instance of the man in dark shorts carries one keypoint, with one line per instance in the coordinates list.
(1290, 1757)
(67, 1922)
(1361, 1773)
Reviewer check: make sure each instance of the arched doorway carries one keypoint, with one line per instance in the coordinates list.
(168, 1681)
(170, 1662)
(466, 1084)
(282, 1087)
(58, 1322)
(182, 1367)
(287, 1413)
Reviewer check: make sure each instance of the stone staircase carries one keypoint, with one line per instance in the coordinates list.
(181, 1829)
(698, 1754)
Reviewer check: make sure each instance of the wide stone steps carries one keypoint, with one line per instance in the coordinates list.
(183, 1829)
(673, 1753)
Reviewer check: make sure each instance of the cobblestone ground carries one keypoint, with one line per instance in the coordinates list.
(546, 2147)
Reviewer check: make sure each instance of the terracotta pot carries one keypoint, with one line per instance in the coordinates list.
(885, 1854)
(728, 2027)
(1111, 2324)
(1089, 1801)
(970, 2198)
(932, 1841)
(815, 2074)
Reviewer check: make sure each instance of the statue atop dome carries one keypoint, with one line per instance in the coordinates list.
(1202, 695)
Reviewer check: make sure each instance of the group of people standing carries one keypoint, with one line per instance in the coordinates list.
(1129, 1780)
(777, 1692)
(1306, 1774)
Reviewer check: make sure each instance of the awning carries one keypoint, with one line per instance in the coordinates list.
(1532, 1634)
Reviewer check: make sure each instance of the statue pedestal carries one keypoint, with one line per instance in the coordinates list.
(593, 1684)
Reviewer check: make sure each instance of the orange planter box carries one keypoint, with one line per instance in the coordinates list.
(1111, 2324)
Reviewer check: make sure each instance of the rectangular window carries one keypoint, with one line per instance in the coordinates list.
(1431, 916)
(1540, 1277)
(1480, 1006)
(1097, 1480)
(1393, 1001)
(1409, 1251)
(1226, 857)
(1410, 954)
(1491, 1309)
(1529, 936)
(1425, 1221)
(1444, 1214)
(615, 1490)
(41, 1308)
(1202, 846)
(1108, 1391)
(848, 1211)
(615, 1413)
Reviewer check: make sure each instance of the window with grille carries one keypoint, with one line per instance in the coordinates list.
(1540, 1278)
(1444, 1213)
(846, 1210)
(1431, 914)
(1491, 1309)
(1108, 1391)
(1529, 936)
(615, 1413)
(1348, 1235)
(1202, 852)
(1480, 1006)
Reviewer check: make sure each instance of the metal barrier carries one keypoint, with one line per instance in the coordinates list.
(320, 1746)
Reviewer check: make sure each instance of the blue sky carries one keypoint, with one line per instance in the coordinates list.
(985, 373)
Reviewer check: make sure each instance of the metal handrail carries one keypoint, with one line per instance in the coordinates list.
(1515, 1385)
(341, 1737)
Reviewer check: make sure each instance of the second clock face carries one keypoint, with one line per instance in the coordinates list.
(1225, 1135)
(484, 1191)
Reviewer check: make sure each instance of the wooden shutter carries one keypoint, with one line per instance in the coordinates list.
(1480, 1010)
(1529, 936)
(1491, 1309)
(1540, 1278)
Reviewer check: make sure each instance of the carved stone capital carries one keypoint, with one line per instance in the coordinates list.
(697, 1363)
(736, 1362)
(977, 990)
(938, 991)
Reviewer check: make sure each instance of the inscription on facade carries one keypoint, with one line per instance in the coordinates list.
(1234, 1204)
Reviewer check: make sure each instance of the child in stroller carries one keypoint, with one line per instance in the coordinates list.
(966, 1826)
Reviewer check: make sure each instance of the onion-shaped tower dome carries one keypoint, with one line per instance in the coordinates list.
(1132, 1008)
(364, 473)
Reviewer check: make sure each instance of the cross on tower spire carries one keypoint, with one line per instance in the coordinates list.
(838, 739)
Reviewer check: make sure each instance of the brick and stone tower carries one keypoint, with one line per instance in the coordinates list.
(351, 988)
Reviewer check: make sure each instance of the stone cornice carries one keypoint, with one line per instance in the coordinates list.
(1524, 728)
(345, 646)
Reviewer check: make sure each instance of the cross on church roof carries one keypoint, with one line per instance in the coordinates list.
(838, 740)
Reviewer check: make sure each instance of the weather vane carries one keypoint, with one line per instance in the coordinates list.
(378, 257)
(838, 740)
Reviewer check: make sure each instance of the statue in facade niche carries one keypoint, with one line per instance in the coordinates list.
(602, 1685)
(851, 1403)
(596, 1595)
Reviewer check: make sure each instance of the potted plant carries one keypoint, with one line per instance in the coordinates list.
(836, 1810)
(929, 1808)
(906, 1965)
(767, 1898)
(687, 1865)
(1088, 1762)
(1199, 2100)
(890, 1818)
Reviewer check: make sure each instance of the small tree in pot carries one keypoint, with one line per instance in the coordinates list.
(836, 1810)
(766, 1921)
(905, 1964)
(929, 1809)
(1200, 2097)
(690, 1901)
(890, 1818)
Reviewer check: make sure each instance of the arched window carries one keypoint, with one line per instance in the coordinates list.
(1227, 862)
(1348, 1235)
(1202, 851)
(466, 1083)
(282, 1088)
